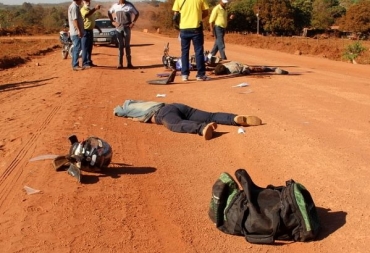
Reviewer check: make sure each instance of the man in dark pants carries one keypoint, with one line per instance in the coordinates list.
(181, 118)
(123, 22)
(191, 30)
(87, 40)
(217, 24)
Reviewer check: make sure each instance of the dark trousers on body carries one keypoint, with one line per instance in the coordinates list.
(185, 119)
(87, 42)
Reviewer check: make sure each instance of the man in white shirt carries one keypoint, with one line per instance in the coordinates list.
(125, 17)
(76, 31)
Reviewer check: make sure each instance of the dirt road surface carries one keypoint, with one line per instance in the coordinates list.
(155, 195)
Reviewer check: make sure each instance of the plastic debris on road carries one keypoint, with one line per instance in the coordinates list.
(30, 190)
(241, 85)
(161, 95)
(241, 130)
(43, 157)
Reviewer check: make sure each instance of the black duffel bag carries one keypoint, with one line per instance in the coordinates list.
(263, 215)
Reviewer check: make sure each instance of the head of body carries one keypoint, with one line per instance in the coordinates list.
(220, 69)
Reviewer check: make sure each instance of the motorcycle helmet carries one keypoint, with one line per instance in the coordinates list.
(92, 152)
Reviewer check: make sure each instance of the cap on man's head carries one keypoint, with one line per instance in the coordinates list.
(225, 1)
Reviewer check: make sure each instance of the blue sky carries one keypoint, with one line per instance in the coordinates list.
(19, 2)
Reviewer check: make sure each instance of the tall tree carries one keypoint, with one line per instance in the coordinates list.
(277, 16)
(357, 18)
(302, 10)
(245, 17)
(325, 12)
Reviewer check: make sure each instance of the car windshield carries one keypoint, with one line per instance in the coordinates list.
(104, 24)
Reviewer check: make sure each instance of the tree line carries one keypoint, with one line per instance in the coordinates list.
(277, 17)
(286, 17)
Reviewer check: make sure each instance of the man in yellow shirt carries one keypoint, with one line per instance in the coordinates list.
(218, 23)
(191, 30)
(87, 40)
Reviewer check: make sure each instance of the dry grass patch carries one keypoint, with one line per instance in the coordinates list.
(19, 50)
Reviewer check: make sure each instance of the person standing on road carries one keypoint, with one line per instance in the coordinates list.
(182, 118)
(217, 24)
(123, 21)
(76, 31)
(191, 30)
(87, 40)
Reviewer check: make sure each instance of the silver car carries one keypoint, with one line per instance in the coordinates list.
(108, 35)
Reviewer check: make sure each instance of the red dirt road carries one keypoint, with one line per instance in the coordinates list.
(155, 197)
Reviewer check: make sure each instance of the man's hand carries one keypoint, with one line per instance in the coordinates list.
(211, 27)
(97, 7)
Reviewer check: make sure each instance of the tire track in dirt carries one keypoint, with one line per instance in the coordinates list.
(14, 171)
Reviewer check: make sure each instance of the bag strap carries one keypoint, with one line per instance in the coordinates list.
(182, 5)
(247, 185)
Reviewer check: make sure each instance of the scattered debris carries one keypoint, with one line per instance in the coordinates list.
(241, 85)
(43, 157)
(30, 190)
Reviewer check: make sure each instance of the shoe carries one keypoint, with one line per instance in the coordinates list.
(130, 66)
(214, 125)
(93, 65)
(244, 120)
(78, 68)
(203, 78)
(119, 67)
(86, 67)
(280, 71)
(185, 78)
(208, 131)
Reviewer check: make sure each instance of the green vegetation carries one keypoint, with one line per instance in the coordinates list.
(353, 51)
(275, 17)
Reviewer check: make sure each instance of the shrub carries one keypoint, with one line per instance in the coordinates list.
(353, 51)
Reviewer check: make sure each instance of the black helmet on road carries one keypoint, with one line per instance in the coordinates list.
(93, 152)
